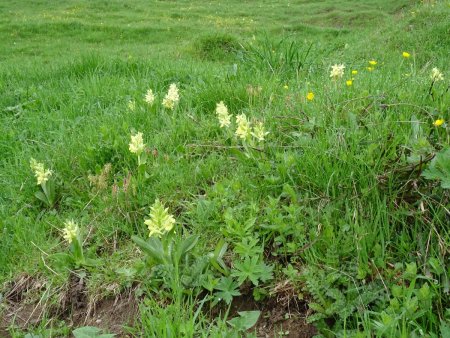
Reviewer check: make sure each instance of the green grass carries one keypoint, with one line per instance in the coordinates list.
(335, 197)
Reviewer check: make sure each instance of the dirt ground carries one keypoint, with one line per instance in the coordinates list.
(282, 315)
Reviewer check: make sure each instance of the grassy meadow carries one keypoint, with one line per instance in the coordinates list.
(224, 169)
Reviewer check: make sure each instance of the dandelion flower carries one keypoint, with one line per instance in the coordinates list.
(70, 231)
(259, 132)
(337, 71)
(172, 97)
(354, 72)
(406, 55)
(149, 97)
(243, 126)
(370, 69)
(286, 87)
(160, 221)
(222, 115)
(436, 75)
(438, 122)
(40, 173)
(349, 83)
(137, 145)
(310, 96)
(131, 105)
(373, 63)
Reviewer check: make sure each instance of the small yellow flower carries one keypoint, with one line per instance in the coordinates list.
(286, 87)
(438, 122)
(243, 126)
(337, 71)
(406, 55)
(349, 83)
(373, 63)
(258, 132)
(172, 97)
(40, 173)
(436, 75)
(160, 221)
(131, 105)
(222, 115)
(137, 145)
(71, 230)
(149, 97)
(310, 96)
(354, 72)
(370, 69)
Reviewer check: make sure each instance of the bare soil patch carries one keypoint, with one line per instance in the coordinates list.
(21, 310)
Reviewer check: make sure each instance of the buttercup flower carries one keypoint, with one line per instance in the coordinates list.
(337, 71)
(243, 126)
(406, 55)
(149, 97)
(436, 75)
(41, 174)
(131, 105)
(354, 72)
(349, 83)
(70, 232)
(172, 97)
(258, 132)
(310, 96)
(373, 63)
(160, 221)
(222, 115)
(137, 145)
(438, 122)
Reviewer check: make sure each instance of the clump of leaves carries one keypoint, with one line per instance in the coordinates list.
(439, 168)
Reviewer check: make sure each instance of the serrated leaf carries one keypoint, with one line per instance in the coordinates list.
(228, 288)
(253, 270)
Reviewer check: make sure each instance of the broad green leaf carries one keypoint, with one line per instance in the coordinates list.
(439, 168)
(152, 247)
(40, 195)
(245, 321)
(91, 332)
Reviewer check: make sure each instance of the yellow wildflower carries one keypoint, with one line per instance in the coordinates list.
(438, 122)
(258, 132)
(349, 82)
(160, 221)
(436, 75)
(243, 126)
(131, 105)
(310, 96)
(222, 115)
(406, 55)
(370, 69)
(137, 145)
(40, 173)
(373, 63)
(172, 97)
(354, 72)
(71, 230)
(337, 71)
(286, 87)
(149, 97)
